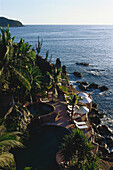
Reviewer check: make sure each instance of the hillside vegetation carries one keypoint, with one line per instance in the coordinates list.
(4, 22)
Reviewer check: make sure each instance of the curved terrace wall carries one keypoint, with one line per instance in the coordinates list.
(42, 119)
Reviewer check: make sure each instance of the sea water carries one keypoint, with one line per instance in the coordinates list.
(79, 43)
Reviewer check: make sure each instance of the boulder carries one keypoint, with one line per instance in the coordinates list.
(103, 150)
(64, 69)
(99, 139)
(83, 64)
(82, 87)
(94, 127)
(78, 82)
(109, 142)
(77, 74)
(104, 130)
(103, 88)
(94, 111)
(93, 86)
(101, 114)
(95, 120)
(95, 105)
(84, 83)
(58, 63)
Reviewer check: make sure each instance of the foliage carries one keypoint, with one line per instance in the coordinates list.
(35, 80)
(76, 151)
(55, 81)
(12, 61)
(18, 73)
(17, 118)
(73, 100)
(39, 46)
(47, 54)
(27, 168)
(8, 141)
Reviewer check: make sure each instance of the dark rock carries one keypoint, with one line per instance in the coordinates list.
(93, 86)
(58, 63)
(94, 126)
(94, 111)
(108, 140)
(101, 114)
(104, 130)
(95, 105)
(84, 83)
(44, 65)
(64, 69)
(82, 87)
(97, 70)
(77, 74)
(95, 119)
(83, 64)
(103, 88)
(103, 150)
(99, 139)
(78, 82)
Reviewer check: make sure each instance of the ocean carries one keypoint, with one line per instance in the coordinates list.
(91, 44)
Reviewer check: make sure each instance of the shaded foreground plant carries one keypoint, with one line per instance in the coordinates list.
(8, 141)
(76, 152)
(17, 118)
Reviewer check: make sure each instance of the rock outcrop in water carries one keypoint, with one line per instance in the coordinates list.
(103, 88)
(83, 64)
(4, 22)
(93, 86)
(82, 87)
(77, 74)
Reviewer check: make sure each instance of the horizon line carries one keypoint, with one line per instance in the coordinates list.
(63, 24)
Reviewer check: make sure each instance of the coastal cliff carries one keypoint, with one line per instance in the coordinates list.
(4, 22)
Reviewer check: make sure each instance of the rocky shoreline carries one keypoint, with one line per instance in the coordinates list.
(103, 135)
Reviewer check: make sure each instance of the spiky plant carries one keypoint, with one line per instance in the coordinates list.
(8, 141)
(73, 100)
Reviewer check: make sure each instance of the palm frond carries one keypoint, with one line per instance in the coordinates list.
(6, 160)
(11, 143)
(9, 136)
(24, 81)
(9, 111)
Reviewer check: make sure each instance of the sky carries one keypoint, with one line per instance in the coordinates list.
(80, 12)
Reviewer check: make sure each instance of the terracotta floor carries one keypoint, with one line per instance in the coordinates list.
(62, 118)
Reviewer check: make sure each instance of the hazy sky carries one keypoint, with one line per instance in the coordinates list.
(58, 11)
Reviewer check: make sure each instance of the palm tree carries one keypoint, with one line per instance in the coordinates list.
(16, 59)
(11, 65)
(76, 151)
(73, 100)
(8, 141)
(54, 81)
(35, 81)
